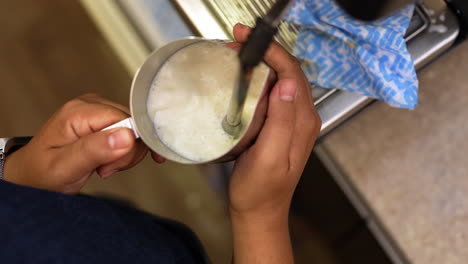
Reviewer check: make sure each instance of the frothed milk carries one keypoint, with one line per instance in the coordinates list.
(189, 98)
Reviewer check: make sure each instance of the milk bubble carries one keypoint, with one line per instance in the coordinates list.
(189, 98)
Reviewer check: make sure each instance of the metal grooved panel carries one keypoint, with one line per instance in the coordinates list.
(231, 12)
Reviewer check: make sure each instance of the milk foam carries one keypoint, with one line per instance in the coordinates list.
(189, 98)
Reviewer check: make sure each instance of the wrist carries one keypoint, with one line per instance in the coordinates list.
(261, 238)
(266, 220)
(273, 212)
(10, 170)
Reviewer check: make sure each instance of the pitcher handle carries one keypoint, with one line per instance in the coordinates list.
(128, 123)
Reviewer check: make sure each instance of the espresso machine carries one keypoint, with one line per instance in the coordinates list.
(267, 26)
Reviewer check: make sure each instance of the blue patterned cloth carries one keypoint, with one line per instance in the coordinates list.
(370, 58)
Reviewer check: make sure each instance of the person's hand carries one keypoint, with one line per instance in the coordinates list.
(265, 176)
(71, 146)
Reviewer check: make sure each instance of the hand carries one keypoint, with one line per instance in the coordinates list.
(71, 146)
(265, 176)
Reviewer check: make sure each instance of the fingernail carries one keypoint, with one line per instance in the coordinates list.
(288, 90)
(119, 139)
(106, 175)
(160, 160)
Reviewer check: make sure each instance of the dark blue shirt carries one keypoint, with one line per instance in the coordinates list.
(38, 226)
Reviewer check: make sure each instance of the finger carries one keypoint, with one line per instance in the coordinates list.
(288, 67)
(77, 119)
(306, 132)
(93, 118)
(307, 126)
(135, 156)
(284, 64)
(274, 141)
(96, 99)
(234, 45)
(306, 107)
(271, 80)
(158, 158)
(97, 149)
(241, 32)
(276, 57)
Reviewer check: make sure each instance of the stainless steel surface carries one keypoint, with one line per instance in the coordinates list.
(143, 124)
(338, 107)
(158, 21)
(3, 142)
(203, 19)
(419, 23)
(8, 144)
(232, 121)
(229, 13)
(437, 38)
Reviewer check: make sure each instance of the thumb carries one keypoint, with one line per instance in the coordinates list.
(94, 150)
(277, 133)
(241, 32)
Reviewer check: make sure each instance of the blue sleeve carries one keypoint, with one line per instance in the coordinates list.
(38, 226)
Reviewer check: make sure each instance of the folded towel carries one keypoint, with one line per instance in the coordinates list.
(370, 58)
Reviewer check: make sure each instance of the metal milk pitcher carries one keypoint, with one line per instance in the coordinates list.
(143, 127)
